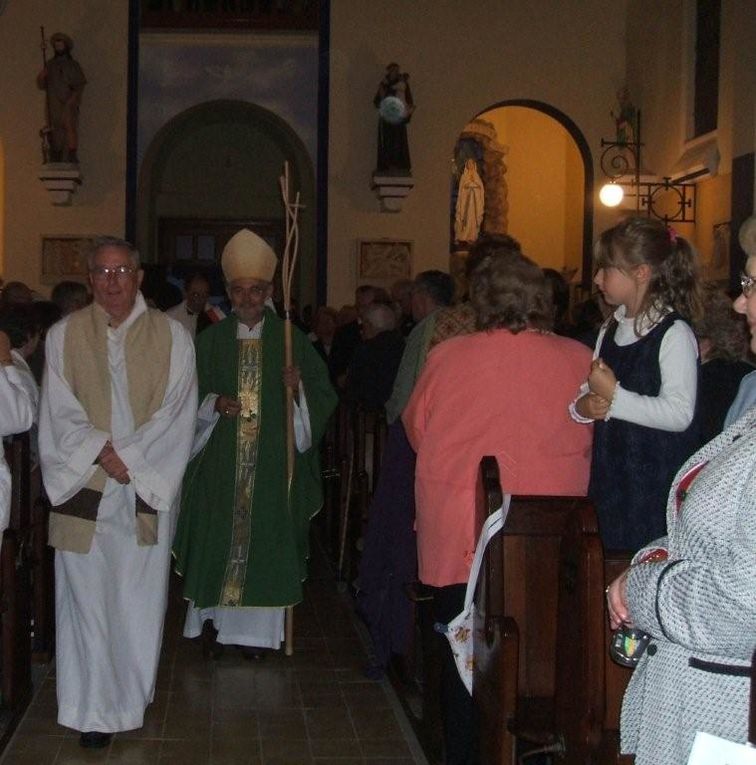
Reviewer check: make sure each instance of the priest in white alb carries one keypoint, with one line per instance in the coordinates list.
(116, 422)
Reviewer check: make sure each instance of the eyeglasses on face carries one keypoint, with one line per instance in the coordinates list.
(747, 284)
(103, 273)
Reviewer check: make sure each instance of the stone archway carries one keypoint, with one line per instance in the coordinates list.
(220, 160)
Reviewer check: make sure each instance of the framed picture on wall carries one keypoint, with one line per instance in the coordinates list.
(64, 258)
(384, 260)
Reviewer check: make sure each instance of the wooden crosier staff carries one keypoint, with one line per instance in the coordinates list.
(288, 264)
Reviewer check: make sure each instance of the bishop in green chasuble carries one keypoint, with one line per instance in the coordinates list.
(242, 536)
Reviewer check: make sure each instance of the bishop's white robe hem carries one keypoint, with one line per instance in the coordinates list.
(254, 627)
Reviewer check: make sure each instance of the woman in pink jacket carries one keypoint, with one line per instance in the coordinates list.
(503, 391)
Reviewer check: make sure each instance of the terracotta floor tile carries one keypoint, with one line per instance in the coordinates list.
(134, 751)
(21, 758)
(178, 725)
(185, 752)
(72, 754)
(371, 695)
(285, 750)
(335, 747)
(315, 707)
(376, 723)
(385, 747)
(32, 744)
(329, 723)
(235, 752)
(282, 723)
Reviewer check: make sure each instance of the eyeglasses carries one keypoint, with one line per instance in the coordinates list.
(747, 284)
(103, 273)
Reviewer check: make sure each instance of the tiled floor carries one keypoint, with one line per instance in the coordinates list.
(315, 707)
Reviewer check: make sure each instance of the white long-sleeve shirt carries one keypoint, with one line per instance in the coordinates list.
(673, 408)
(16, 416)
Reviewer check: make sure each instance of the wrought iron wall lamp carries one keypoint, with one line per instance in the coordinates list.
(672, 200)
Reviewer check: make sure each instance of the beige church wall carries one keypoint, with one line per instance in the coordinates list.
(713, 208)
(660, 78)
(574, 184)
(99, 31)
(462, 59)
(543, 188)
(535, 156)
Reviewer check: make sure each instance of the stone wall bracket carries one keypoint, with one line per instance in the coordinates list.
(61, 179)
(391, 190)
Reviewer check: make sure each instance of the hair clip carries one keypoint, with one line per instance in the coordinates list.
(672, 235)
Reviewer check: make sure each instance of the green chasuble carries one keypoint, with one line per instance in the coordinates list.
(242, 538)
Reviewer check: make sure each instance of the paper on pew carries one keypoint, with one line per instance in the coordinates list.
(712, 750)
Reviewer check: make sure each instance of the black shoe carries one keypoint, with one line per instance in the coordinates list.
(94, 739)
(250, 653)
(211, 648)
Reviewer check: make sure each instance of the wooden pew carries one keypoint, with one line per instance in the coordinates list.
(539, 675)
(15, 586)
(42, 562)
(616, 677)
(331, 473)
(361, 442)
(379, 429)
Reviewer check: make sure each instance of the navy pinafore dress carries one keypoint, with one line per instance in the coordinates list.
(633, 465)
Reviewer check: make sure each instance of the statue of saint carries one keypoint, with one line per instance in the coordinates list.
(64, 81)
(626, 119)
(395, 106)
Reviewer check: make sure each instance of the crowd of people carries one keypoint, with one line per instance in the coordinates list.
(196, 430)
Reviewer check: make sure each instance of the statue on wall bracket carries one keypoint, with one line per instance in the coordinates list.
(63, 81)
(392, 179)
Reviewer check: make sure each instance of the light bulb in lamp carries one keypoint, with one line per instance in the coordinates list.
(611, 194)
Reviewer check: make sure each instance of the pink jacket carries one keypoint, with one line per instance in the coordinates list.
(492, 393)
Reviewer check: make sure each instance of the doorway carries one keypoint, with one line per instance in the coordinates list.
(213, 170)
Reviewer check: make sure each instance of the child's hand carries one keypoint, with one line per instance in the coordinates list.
(592, 406)
(601, 380)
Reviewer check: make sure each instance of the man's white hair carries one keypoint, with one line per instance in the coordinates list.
(105, 242)
(380, 316)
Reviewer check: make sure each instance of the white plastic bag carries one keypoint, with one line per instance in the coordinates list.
(459, 631)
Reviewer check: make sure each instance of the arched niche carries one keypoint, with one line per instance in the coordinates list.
(221, 160)
(537, 173)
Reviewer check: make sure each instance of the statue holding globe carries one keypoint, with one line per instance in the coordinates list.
(394, 103)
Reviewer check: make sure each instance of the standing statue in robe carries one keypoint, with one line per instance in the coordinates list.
(64, 81)
(626, 119)
(393, 100)
(468, 215)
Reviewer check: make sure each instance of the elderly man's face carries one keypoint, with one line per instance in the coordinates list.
(248, 298)
(197, 293)
(115, 282)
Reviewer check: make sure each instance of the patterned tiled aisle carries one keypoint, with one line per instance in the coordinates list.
(314, 707)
